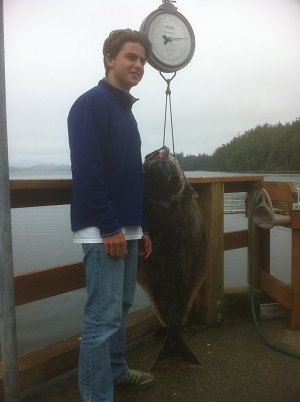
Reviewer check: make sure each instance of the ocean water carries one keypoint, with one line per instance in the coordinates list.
(41, 238)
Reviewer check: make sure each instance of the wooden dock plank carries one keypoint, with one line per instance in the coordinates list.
(234, 240)
(34, 193)
(232, 184)
(37, 285)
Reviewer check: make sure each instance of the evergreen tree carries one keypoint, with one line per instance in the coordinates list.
(264, 148)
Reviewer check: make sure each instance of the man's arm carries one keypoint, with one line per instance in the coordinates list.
(88, 125)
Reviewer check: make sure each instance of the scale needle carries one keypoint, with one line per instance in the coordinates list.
(170, 39)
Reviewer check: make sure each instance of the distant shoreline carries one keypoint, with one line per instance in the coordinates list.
(49, 167)
(267, 171)
(67, 168)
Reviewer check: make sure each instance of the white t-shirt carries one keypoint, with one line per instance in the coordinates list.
(92, 234)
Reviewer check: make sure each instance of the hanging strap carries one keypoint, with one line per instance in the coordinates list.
(168, 97)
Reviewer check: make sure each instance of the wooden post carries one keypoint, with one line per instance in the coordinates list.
(7, 308)
(260, 254)
(295, 275)
(208, 305)
(258, 246)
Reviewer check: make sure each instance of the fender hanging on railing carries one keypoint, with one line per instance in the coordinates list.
(265, 216)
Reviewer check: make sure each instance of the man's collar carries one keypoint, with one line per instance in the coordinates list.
(124, 96)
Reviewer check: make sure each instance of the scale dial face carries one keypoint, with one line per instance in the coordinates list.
(172, 38)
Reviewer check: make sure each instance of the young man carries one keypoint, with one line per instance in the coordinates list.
(107, 214)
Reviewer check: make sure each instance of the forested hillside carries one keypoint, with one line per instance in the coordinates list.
(264, 148)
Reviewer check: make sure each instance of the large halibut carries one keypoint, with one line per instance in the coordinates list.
(176, 269)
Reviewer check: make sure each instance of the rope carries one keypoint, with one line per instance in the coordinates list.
(168, 98)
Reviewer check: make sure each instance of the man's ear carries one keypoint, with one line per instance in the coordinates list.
(109, 60)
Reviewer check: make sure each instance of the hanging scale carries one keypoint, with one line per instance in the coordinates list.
(173, 46)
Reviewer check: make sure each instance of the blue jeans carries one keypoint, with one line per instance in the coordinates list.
(111, 286)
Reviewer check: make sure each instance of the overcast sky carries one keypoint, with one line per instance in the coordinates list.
(245, 71)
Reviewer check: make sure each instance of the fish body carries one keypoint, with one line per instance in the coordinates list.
(176, 269)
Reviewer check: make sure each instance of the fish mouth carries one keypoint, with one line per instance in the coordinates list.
(164, 179)
(161, 153)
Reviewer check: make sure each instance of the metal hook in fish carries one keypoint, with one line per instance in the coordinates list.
(168, 96)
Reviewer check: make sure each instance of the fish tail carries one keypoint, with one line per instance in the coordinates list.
(174, 346)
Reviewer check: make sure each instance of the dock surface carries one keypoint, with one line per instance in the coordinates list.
(236, 366)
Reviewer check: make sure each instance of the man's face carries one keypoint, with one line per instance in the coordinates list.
(127, 68)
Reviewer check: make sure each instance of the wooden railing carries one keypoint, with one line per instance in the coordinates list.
(211, 201)
(285, 197)
(52, 281)
(39, 365)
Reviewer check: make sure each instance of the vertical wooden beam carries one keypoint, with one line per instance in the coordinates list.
(209, 302)
(258, 246)
(7, 307)
(295, 280)
(260, 254)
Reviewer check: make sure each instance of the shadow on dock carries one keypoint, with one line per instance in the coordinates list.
(236, 366)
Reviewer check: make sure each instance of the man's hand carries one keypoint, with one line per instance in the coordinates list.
(115, 245)
(145, 248)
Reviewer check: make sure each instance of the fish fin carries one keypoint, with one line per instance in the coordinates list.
(143, 282)
(175, 347)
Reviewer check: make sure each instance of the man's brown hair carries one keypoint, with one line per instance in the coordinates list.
(116, 39)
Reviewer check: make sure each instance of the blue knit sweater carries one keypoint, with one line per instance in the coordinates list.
(105, 145)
